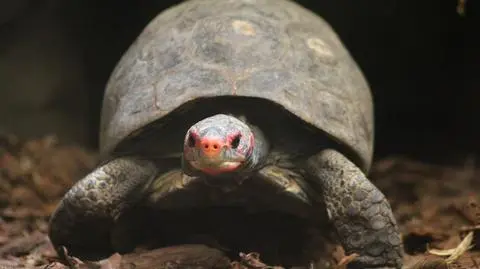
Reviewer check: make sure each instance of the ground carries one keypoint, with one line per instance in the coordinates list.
(437, 208)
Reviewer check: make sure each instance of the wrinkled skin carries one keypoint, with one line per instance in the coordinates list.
(359, 211)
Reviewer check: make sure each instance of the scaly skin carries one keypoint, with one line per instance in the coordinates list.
(359, 211)
(85, 218)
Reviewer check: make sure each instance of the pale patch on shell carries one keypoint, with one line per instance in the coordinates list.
(243, 27)
(320, 47)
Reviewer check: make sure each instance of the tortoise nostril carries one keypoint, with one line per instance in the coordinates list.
(210, 145)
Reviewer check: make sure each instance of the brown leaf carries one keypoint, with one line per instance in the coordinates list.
(347, 259)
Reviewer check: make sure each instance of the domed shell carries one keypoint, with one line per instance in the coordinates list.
(272, 49)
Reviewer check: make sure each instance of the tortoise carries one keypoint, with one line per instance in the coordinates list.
(252, 103)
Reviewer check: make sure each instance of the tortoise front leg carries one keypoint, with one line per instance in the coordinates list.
(84, 219)
(358, 210)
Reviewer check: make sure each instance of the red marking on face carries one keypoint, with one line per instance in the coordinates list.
(233, 140)
(210, 147)
(230, 137)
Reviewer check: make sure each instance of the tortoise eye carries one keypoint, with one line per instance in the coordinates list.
(236, 141)
(191, 141)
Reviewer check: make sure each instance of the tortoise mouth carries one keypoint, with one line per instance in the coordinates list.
(225, 166)
(240, 217)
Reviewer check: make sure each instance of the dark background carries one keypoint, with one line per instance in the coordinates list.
(421, 59)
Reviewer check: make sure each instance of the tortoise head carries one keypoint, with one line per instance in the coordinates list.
(218, 144)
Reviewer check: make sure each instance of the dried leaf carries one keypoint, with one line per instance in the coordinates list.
(442, 252)
(455, 253)
(347, 259)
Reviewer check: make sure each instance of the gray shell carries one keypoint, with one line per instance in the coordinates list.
(273, 49)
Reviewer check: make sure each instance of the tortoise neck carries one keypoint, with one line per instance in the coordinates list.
(260, 149)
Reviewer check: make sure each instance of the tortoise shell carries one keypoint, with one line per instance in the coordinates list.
(270, 49)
